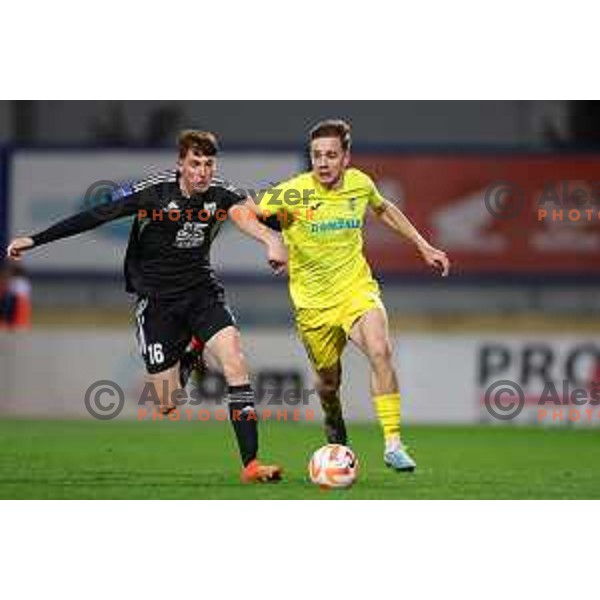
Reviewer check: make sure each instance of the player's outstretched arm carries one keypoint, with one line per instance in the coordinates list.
(395, 219)
(83, 221)
(246, 219)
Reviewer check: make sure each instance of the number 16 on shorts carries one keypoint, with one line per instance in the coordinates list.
(155, 354)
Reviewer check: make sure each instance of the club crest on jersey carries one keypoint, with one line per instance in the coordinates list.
(211, 207)
(171, 206)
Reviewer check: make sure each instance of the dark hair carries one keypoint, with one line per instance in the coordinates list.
(332, 128)
(199, 142)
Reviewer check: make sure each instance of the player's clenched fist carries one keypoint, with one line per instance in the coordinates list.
(435, 258)
(18, 246)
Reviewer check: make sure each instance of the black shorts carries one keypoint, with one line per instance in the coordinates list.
(166, 326)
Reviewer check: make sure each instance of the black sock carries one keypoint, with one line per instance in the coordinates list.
(244, 420)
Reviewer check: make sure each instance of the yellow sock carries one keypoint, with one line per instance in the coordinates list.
(387, 407)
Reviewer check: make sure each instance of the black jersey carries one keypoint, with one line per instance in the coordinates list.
(169, 244)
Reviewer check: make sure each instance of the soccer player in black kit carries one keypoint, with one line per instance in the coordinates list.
(167, 266)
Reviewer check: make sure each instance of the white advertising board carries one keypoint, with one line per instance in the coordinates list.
(444, 378)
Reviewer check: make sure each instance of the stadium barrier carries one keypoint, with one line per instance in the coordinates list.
(542, 379)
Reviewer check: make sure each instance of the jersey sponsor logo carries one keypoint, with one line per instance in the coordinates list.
(335, 225)
(352, 204)
(190, 236)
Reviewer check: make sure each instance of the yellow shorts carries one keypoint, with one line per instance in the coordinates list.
(324, 331)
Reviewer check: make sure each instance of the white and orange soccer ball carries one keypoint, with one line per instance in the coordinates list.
(333, 466)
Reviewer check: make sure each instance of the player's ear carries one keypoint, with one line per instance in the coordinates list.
(346, 160)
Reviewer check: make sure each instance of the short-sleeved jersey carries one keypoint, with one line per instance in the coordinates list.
(324, 237)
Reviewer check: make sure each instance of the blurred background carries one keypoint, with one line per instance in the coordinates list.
(522, 304)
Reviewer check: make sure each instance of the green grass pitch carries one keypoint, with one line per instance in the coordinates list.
(139, 460)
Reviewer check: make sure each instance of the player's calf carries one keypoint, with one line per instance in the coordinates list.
(226, 347)
(335, 428)
(165, 385)
(327, 386)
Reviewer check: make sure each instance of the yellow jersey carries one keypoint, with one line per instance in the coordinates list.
(324, 236)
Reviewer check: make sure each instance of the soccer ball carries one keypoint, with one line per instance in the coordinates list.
(333, 466)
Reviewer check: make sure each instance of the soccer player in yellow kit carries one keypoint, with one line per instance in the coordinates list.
(333, 291)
